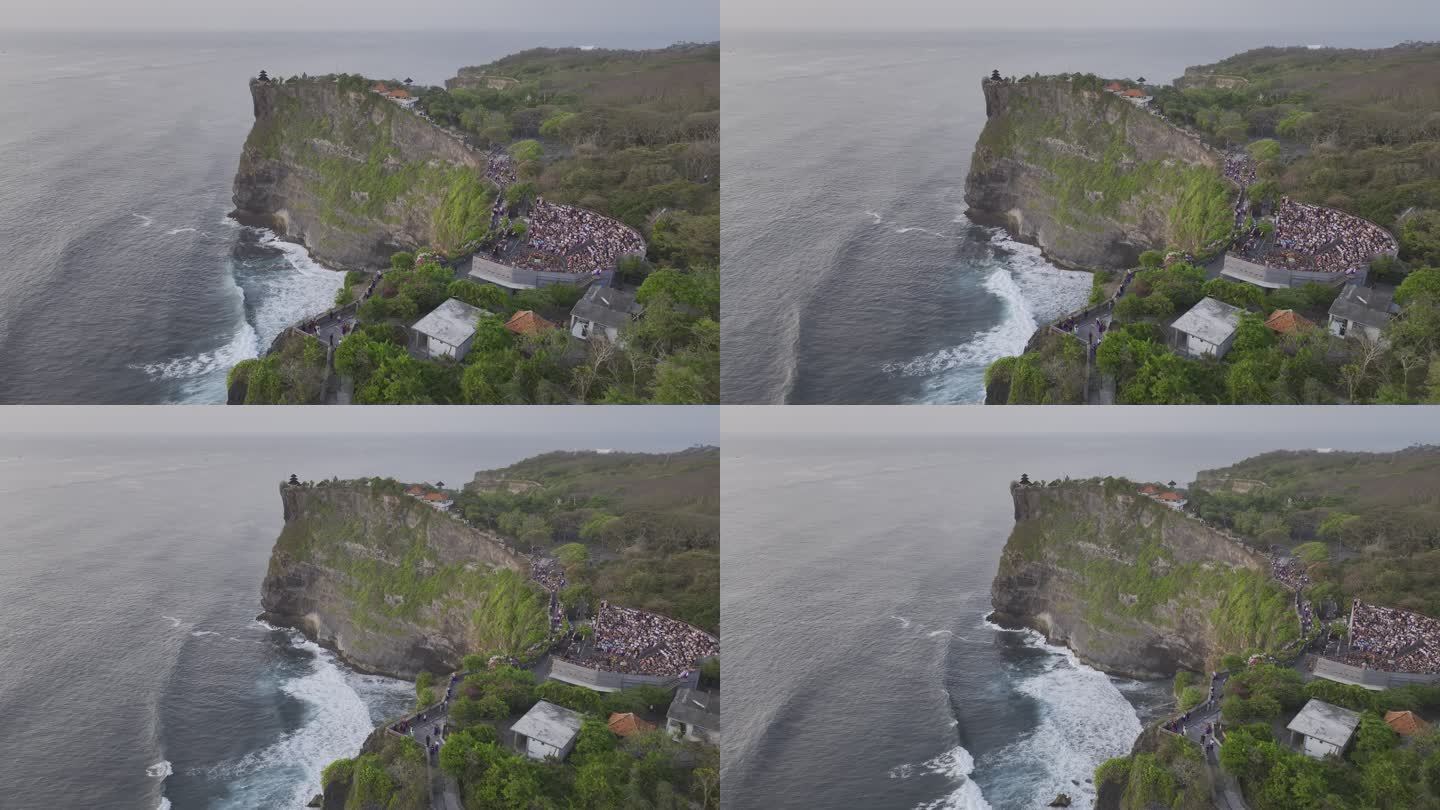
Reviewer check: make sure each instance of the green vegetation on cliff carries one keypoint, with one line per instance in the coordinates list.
(1378, 770)
(651, 524)
(1099, 175)
(1138, 579)
(291, 375)
(1358, 127)
(645, 770)
(632, 134)
(1376, 511)
(399, 578)
(1305, 367)
(389, 775)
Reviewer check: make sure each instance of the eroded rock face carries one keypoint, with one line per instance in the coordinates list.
(351, 176)
(1131, 586)
(1088, 177)
(387, 582)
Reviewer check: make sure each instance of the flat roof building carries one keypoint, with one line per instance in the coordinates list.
(1207, 330)
(695, 715)
(1322, 730)
(603, 311)
(1361, 310)
(546, 731)
(447, 331)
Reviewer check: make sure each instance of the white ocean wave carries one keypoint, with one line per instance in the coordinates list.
(160, 770)
(956, 765)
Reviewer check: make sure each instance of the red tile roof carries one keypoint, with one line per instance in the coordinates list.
(436, 497)
(526, 322)
(1171, 496)
(1115, 86)
(625, 724)
(415, 489)
(1286, 322)
(1149, 489)
(1134, 93)
(1405, 723)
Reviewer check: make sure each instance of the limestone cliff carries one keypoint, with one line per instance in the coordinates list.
(1091, 178)
(1132, 586)
(394, 586)
(355, 177)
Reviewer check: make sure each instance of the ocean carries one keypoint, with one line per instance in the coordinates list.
(133, 673)
(122, 280)
(860, 668)
(851, 272)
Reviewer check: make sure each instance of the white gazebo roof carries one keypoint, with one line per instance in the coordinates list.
(553, 725)
(453, 322)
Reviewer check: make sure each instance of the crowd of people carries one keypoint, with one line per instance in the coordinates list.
(1240, 168)
(500, 170)
(641, 643)
(1393, 640)
(1315, 239)
(581, 241)
(548, 573)
(1288, 572)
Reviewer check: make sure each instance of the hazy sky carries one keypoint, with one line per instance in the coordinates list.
(1403, 424)
(691, 19)
(1422, 17)
(698, 424)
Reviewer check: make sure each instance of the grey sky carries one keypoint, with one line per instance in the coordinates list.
(694, 19)
(1389, 425)
(1421, 17)
(590, 424)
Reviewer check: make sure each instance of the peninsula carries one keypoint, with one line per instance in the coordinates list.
(1251, 238)
(543, 229)
(559, 618)
(1291, 597)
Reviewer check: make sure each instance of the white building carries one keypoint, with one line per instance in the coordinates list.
(546, 731)
(695, 715)
(603, 312)
(1322, 730)
(1361, 311)
(447, 331)
(1207, 330)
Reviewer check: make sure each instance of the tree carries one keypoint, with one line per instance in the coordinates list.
(572, 555)
(1420, 238)
(402, 260)
(1151, 258)
(1421, 285)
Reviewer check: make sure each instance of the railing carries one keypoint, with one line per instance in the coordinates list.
(1330, 669)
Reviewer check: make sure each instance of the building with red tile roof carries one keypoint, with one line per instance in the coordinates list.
(526, 322)
(1406, 724)
(625, 724)
(1288, 322)
(436, 497)
(415, 489)
(1149, 489)
(1171, 497)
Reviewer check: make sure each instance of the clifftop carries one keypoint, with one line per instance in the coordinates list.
(1091, 177)
(1132, 586)
(393, 585)
(350, 175)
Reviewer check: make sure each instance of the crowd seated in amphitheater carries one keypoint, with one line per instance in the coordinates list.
(1393, 640)
(1289, 573)
(581, 240)
(1311, 238)
(640, 643)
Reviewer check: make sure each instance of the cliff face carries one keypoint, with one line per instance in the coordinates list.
(1090, 178)
(393, 585)
(1131, 586)
(352, 176)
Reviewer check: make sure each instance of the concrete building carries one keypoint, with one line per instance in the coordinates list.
(1361, 310)
(695, 715)
(1207, 330)
(447, 331)
(603, 311)
(489, 271)
(1322, 730)
(546, 731)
